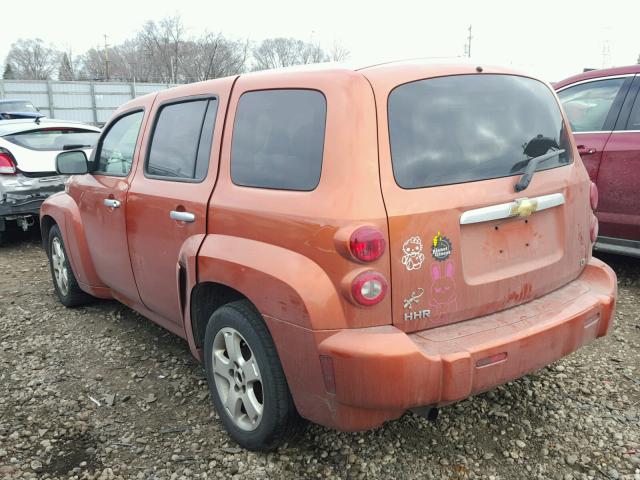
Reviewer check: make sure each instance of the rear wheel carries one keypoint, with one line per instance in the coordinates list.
(64, 281)
(246, 380)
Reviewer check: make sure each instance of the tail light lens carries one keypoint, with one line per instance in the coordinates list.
(593, 196)
(367, 244)
(594, 228)
(7, 164)
(369, 288)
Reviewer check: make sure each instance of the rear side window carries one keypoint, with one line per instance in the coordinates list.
(466, 128)
(181, 142)
(588, 104)
(54, 139)
(634, 118)
(278, 139)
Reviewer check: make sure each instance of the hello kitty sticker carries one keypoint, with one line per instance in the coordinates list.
(413, 257)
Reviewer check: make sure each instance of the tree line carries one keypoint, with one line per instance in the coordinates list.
(163, 52)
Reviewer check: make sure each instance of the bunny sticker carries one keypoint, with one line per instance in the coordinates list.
(413, 257)
(443, 290)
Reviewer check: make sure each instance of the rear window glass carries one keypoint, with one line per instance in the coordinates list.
(17, 106)
(177, 138)
(466, 128)
(55, 139)
(278, 139)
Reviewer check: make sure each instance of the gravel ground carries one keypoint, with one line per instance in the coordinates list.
(102, 393)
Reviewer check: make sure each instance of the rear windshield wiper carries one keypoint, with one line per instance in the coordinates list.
(532, 164)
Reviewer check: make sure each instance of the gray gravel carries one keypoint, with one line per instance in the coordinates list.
(102, 393)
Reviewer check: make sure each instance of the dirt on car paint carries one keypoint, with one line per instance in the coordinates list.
(101, 392)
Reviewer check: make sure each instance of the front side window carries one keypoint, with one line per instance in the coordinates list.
(467, 128)
(588, 104)
(278, 139)
(55, 138)
(116, 149)
(181, 142)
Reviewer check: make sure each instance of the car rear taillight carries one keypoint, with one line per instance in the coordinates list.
(369, 288)
(593, 196)
(367, 244)
(7, 163)
(594, 228)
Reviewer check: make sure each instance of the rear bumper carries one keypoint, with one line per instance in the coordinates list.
(21, 195)
(25, 207)
(380, 372)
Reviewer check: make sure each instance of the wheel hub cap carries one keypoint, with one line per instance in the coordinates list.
(237, 379)
(59, 265)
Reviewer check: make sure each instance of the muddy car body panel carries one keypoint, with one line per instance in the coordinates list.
(474, 284)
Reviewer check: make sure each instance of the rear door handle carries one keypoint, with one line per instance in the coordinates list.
(182, 216)
(584, 150)
(110, 202)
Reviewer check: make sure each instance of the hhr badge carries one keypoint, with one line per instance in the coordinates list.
(408, 303)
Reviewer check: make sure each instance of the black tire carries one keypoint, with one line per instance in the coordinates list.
(73, 296)
(279, 419)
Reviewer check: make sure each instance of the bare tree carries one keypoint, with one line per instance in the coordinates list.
(32, 60)
(212, 56)
(162, 52)
(285, 52)
(8, 72)
(339, 53)
(65, 70)
(161, 43)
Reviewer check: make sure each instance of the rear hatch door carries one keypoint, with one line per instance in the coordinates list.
(453, 144)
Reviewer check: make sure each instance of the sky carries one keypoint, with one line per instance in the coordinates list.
(550, 39)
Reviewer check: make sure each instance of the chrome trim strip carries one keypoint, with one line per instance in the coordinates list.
(596, 79)
(503, 210)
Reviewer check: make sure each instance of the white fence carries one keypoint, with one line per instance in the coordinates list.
(89, 102)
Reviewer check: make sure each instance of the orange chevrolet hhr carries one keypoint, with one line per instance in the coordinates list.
(341, 245)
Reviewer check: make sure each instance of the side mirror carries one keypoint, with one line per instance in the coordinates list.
(72, 163)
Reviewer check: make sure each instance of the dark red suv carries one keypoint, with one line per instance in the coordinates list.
(603, 107)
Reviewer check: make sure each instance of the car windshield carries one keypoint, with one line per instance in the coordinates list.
(466, 128)
(17, 106)
(55, 138)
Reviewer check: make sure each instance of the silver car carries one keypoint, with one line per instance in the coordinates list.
(28, 150)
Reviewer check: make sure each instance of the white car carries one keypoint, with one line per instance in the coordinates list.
(28, 150)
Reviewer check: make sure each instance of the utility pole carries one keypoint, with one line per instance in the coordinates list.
(468, 46)
(106, 56)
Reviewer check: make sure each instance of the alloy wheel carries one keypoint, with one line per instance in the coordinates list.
(237, 378)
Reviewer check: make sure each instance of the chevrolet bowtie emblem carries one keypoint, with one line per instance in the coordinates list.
(523, 207)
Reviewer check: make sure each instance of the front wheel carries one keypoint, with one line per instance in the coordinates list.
(246, 380)
(64, 281)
